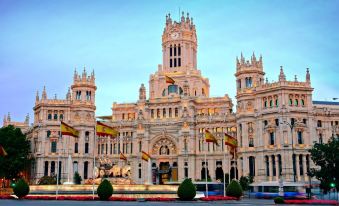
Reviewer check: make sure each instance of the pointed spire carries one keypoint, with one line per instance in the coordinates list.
(27, 119)
(44, 94)
(37, 96)
(253, 57)
(191, 20)
(282, 76)
(68, 95)
(295, 78)
(4, 120)
(182, 16)
(55, 96)
(308, 75)
(9, 117)
(75, 76)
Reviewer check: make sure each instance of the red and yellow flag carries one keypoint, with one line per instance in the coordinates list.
(123, 157)
(169, 80)
(68, 130)
(210, 137)
(145, 156)
(104, 130)
(230, 141)
(3, 152)
(233, 152)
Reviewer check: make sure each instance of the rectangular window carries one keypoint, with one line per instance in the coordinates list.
(46, 168)
(179, 62)
(86, 148)
(175, 62)
(76, 147)
(179, 50)
(53, 147)
(300, 137)
(170, 51)
(170, 62)
(175, 51)
(271, 138)
(140, 146)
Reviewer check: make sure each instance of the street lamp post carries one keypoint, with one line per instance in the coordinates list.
(293, 156)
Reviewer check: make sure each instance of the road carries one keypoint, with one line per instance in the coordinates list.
(110, 203)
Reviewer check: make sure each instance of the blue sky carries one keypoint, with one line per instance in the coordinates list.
(41, 42)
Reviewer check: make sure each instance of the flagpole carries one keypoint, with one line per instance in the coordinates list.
(224, 170)
(93, 176)
(236, 164)
(57, 190)
(206, 173)
(229, 168)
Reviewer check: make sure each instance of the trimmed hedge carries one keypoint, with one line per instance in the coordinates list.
(21, 189)
(186, 190)
(279, 200)
(234, 189)
(105, 190)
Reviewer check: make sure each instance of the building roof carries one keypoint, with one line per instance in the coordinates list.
(326, 103)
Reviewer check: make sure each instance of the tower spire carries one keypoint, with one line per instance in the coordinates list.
(37, 96)
(44, 93)
(308, 75)
(282, 76)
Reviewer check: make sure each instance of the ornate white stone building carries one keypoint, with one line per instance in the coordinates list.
(275, 123)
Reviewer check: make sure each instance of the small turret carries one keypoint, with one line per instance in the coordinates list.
(4, 120)
(9, 117)
(142, 92)
(44, 94)
(295, 78)
(55, 96)
(182, 17)
(27, 119)
(282, 76)
(308, 76)
(37, 96)
(68, 95)
(84, 75)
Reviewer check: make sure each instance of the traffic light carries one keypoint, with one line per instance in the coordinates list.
(332, 185)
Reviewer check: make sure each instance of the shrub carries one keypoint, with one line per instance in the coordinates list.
(244, 182)
(186, 190)
(234, 189)
(21, 189)
(47, 180)
(105, 190)
(279, 200)
(77, 178)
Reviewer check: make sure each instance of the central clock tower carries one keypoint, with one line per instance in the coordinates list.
(179, 44)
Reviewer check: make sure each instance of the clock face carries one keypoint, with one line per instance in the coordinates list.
(175, 35)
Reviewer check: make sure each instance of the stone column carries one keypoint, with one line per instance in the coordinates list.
(277, 167)
(304, 168)
(297, 163)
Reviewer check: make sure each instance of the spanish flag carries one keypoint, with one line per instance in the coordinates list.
(123, 157)
(233, 152)
(230, 141)
(68, 130)
(169, 80)
(210, 137)
(104, 130)
(3, 152)
(145, 156)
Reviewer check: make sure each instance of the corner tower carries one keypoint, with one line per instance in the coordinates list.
(179, 44)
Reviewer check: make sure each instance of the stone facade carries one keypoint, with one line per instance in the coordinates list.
(275, 123)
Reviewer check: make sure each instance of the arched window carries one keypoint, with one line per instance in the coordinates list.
(175, 50)
(48, 133)
(296, 102)
(55, 116)
(164, 92)
(52, 168)
(251, 165)
(164, 112)
(302, 102)
(265, 104)
(158, 113)
(271, 103)
(61, 117)
(179, 50)
(46, 168)
(85, 169)
(171, 51)
(276, 102)
(273, 165)
(267, 166)
(49, 116)
(172, 89)
(290, 102)
(75, 166)
(176, 112)
(319, 124)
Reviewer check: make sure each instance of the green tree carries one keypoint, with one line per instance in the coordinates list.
(77, 178)
(186, 190)
(234, 189)
(326, 156)
(21, 189)
(105, 190)
(18, 148)
(244, 182)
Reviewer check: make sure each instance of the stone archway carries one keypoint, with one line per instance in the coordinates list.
(164, 146)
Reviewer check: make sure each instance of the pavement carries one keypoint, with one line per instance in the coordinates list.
(110, 203)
